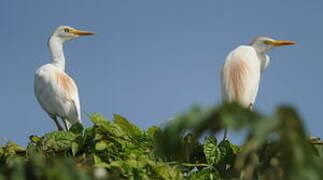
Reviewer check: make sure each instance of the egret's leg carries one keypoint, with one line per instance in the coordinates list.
(66, 124)
(59, 126)
(225, 136)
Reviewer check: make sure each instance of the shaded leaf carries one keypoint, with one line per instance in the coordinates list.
(77, 128)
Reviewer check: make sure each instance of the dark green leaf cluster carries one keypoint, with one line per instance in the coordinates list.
(276, 147)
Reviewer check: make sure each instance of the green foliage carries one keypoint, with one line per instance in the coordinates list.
(276, 147)
(114, 149)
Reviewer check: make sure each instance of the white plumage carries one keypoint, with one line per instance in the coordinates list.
(242, 70)
(241, 76)
(55, 90)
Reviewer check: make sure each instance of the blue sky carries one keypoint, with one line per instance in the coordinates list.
(151, 60)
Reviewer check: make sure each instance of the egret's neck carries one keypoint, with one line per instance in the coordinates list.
(55, 47)
(264, 60)
(261, 55)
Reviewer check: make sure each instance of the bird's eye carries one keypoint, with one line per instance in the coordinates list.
(268, 42)
(67, 30)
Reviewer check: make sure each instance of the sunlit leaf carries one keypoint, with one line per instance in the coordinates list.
(101, 145)
(211, 151)
(126, 126)
(35, 139)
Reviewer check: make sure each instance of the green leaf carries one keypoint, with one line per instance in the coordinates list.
(75, 148)
(60, 140)
(35, 139)
(228, 153)
(101, 145)
(77, 128)
(97, 118)
(126, 126)
(98, 162)
(113, 129)
(212, 152)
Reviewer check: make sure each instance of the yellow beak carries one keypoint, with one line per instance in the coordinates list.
(283, 43)
(81, 33)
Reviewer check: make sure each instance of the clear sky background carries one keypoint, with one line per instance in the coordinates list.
(151, 60)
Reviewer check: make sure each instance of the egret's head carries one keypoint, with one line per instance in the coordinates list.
(66, 33)
(263, 44)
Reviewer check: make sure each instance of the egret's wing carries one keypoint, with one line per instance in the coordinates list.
(241, 76)
(58, 93)
(68, 89)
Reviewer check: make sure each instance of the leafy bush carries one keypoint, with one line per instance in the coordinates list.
(276, 147)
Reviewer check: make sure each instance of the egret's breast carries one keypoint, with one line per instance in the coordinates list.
(237, 73)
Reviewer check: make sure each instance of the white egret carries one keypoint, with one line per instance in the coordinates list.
(242, 70)
(55, 90)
